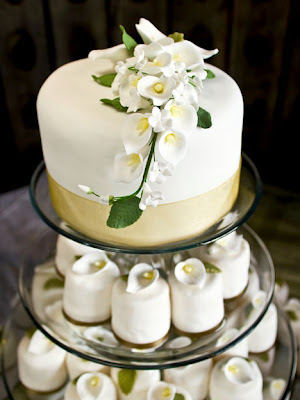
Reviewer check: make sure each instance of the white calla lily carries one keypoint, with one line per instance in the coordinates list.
(161, 391)
(128, 167)
(160, 120)
(186, 52)
(136, 132)
(89, 386)
(149, 197)
(85, 189)
(100, 335)
(162, 64)
(160, 171)
(148, 32)
(140, 277)
(184, 116)
(92, 262)
(159, 90)
(238, 370)
(277, 387)
(40, 344)
(197, 70)
(179, 342)
(114, 54)
(172, 146)
(259, 299)
(129, 95)
(191, 272)
(227, 336)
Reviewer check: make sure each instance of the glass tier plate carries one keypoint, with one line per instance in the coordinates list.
(246, 203)
(281, 363)
(47, 314)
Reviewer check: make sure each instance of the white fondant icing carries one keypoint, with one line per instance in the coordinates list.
(77, 366)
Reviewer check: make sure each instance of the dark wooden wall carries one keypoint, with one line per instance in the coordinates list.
(259, 47)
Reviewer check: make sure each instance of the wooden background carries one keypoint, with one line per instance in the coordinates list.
(259, 45)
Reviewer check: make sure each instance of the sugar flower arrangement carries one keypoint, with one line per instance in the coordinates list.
(159, 85)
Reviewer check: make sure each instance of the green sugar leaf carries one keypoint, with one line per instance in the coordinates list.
(53, 283)
(76, 258)
(264, 356)
(124, 213)
(129, 42)
(30, 332)
(210, 74)
(126, 379)
(292, 314)
(105, 80)
(211, 268)
(114, 103)
(179, 396)
(177, 36)
(204, 118)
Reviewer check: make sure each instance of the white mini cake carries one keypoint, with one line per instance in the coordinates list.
(92, 386)
(240, 349)
(194, 378)
(164, 390)
(88, 287)
(196, 296)
(132, 384)
(67, 252)
(41, 363)
(292, 308)
(141, 312)
(236, 378)
(263, 337)
(232, 255)
(76, 366)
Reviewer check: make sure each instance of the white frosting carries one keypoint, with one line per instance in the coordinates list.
(143, 317)
(196, 309)
(41, 363)
(293, 309)
(194, 378)
(77, 366)
(88, 287)
(247, 385)
(232, 255)
(143, 380)
(67, 252)
(240, 349)
(263, 337)
(91, 386)
(81, 136)
(166, 391)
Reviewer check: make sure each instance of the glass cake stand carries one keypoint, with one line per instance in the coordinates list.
(48, 317)
(249, 195)
(283, 366)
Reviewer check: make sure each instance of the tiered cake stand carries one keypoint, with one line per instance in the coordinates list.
(47, 315)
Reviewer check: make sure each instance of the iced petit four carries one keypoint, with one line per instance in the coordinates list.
(196, 296)
(239, 349)
(91, 386)
(292, 308)
(263, 336)
(194, 378)
(41, 363)
(232, 255)
(163, 390)
(132, 384)
(274, 389)
(88, 288)
(67, 252)
(141, 311)
(76, 366)
(236, 378)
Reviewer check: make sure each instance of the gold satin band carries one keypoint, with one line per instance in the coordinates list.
(165, 224)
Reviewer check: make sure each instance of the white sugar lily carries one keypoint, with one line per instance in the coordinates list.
(159, 90)
(149, 197)
(136, 132)
(95, 386)
(140, 277)
(197, 70)
(191, 272)
(85, 189)
(231, 243)
(172, 146)
(259, 300)
(93, 262)
(100, 335)
(161, 391)
(40, 344)
(162, 64)
(148, 32)
(128, 167)
(179, 342)
(186, 92)
(114, 54)
(129, 96)
(159, 172)
(227, 336)
(238, 370)
(189, 53)
(184, 116)
(276, 389)
(160, 120)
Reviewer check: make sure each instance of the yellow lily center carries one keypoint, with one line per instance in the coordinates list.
(148, 275)
(133, 160)
(176, 57)
(277, 385)
(233, 369)
(134, 82)
(143, 125)
(157, 63)
(166, 392)
(100, 264)
(94, 381)
(187, 268)
(176, 111)
(170, 138)
(159, 87)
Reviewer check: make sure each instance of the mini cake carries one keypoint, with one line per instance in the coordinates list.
(236, 378)
(141, 312)
(263, 336)
(163, 390)
(232, 255)
(240, 349)
(194, 378)
(196, 296)
(88, 287)
(67, 252)
(92, 386)
(76, 366)
(113, 150)
(41, 363)
(292, 308)
(132, 384)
